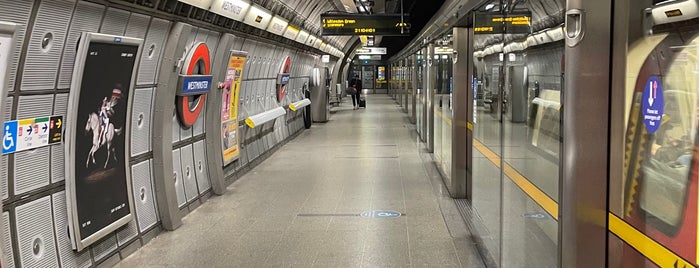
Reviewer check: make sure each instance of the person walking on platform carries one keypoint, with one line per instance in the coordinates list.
(356, 83)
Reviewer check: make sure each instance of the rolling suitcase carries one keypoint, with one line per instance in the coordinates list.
(362, 102)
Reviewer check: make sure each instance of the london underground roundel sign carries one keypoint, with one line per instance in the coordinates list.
(194, 82)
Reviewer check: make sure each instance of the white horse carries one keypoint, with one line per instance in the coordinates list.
(93, 124)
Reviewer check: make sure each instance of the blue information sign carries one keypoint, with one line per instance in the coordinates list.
(652, 104)
(195, 85)
(9, 137)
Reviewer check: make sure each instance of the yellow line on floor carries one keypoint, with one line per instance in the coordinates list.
(654, 251)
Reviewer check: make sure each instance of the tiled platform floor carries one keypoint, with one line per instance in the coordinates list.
(359, 161)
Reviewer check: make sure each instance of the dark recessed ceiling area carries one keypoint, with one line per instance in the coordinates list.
(420, 12)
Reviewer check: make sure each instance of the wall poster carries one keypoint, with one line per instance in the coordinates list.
(229, 106)
(98, 181)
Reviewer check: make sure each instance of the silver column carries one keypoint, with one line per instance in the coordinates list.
(320, 112)
(406, 88)
(461, 106)
(584, 156)
(423, 96)
(431, 78)
(413, 86)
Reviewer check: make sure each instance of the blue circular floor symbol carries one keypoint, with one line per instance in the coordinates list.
(381, 214)
(652, 104)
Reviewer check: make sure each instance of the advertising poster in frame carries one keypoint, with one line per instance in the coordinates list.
(229, 106)
(98, 183)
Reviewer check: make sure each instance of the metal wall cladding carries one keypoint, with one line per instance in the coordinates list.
(185, 133)
(4, 170)
(58, 170)
(127, 233)
(16, 12)
(144, 198)
(198, 126)
(137, 26)
(46, 45)
(188, 173)
(178, 177)
(175, 128)
(102, 249)
(115, 21)
(141, 121)
(7, 240)
(68, 257)
(212, 38)
(37, 247)
(152, 52)
(28, 174)
(200, 162)
(87, 18)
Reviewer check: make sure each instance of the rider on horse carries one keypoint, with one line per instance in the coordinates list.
(105, 112)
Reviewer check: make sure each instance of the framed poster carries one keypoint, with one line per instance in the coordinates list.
(229, 107)
(98, 180)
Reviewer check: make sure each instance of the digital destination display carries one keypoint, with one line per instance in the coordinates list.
(512, 23)
(352, 24)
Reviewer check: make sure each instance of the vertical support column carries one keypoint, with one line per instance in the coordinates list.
(431, 78)
(213, 116)
(423, 96)
(406, 85)
(584, 156)
(461, 106)
(401, 83)
(165, 191)
(413, 92)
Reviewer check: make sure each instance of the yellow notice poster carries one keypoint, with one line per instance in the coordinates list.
(229, 107)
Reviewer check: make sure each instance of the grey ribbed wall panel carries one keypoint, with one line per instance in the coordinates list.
(188, 173)
(7, 110)
(200, 162)
(144, 197)
(105, 247)
(137, 26)
(29, 175)
(87, 18)
(126, 233)
(16, 12)
(212, 42)
(148, 68)
(7, 240)
(41, 63)
(185, 133)
(141, 121)
(178, 177)
(37, 247)
(175, 128)
(67, 256)
(115, 21)
(201, 121)
(60, 108)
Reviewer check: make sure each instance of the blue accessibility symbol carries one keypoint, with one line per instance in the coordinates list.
(652, 104)
(9, 137)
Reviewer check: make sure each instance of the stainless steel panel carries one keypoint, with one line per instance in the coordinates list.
(137, 26)
(28, 175)
(16, 12)
(37, 246)
(115, 21)
(4, 170)
(87, 18)
(143, 195)
(184, 133)
(126, 233)
(153, 51)
(175, 127)
(67, 256)
(212, 42)
(141, 121)
(178, 177)
(102, 249)
(58, 164)
(198, 127)
(42, 57)
(200, 163)
(7, 240)
(188, 173)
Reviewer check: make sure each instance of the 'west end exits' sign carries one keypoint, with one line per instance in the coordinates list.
(353, 24)
(512, 23)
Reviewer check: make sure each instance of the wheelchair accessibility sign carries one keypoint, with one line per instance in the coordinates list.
(27, 134)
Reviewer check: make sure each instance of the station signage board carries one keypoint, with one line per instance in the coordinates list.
(203, 4)
(372, 51)
(258, 17)
(513, 23)
(369, 57)
(278, 25)
(302, 37)
(291, 32)
(32, 133)
(354, 24)
(234, 9)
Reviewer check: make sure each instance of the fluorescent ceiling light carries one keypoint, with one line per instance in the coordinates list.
(489, 6)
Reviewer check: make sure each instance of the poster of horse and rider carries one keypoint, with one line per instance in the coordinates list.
(100, 128)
